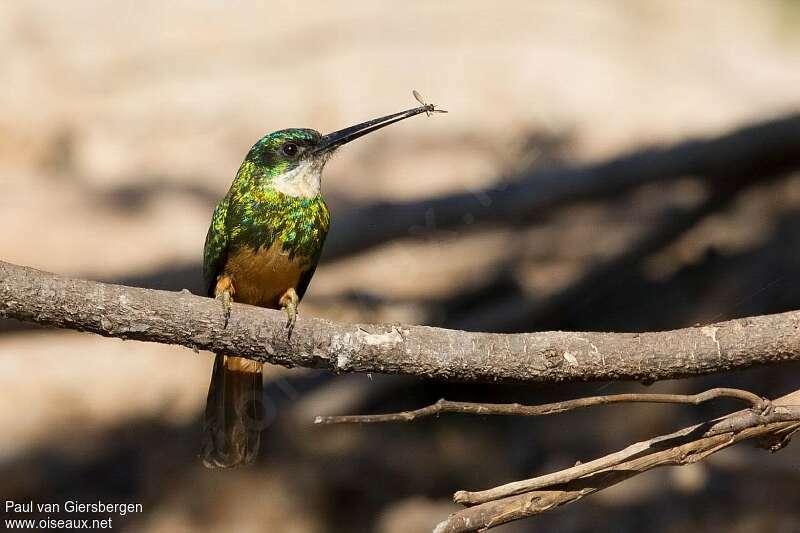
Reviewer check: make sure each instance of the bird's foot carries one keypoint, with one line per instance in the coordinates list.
(289, 302)
(225, 298)
(224, 292)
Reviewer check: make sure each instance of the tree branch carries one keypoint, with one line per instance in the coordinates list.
(521, 499)
(515, 409)
(547, 357)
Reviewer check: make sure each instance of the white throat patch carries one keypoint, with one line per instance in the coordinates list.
(303, 180)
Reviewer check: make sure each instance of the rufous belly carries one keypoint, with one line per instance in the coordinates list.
(260, 277)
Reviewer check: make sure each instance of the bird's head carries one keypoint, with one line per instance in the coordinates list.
(292, 160)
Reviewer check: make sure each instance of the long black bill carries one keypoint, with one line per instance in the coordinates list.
(337, 138)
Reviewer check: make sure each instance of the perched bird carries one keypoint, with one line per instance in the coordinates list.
(262, 248)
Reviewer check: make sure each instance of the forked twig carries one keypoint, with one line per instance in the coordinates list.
(525, 498)
(520, 499)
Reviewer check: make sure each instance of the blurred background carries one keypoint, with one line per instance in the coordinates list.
(124, 122)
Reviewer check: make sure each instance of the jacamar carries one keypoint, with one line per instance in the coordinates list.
(262, 248)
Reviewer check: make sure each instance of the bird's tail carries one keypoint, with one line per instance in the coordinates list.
(234, 412)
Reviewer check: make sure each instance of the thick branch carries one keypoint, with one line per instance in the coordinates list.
(555, 356)
(520, 499)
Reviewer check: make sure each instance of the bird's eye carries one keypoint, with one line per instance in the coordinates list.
(289, 149)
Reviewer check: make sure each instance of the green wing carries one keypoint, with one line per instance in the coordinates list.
(305, 279)
(215, 252)
(325, 223)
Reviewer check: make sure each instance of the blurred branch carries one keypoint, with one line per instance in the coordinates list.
(502, 312)
(534, 496)
(765, 148)
(555, 356)
(515, 409)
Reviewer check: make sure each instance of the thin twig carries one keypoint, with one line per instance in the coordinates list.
(515, 409)
(537, 495)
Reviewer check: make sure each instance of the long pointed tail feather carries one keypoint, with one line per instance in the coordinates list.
(234, 411)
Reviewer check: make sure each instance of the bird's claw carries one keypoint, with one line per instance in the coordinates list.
(225, 298)
(289, 304)
(291, 319)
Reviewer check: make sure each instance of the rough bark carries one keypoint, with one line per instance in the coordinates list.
(555, 356)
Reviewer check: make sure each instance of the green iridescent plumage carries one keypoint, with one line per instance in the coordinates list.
(262, 248)
(254, 213)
